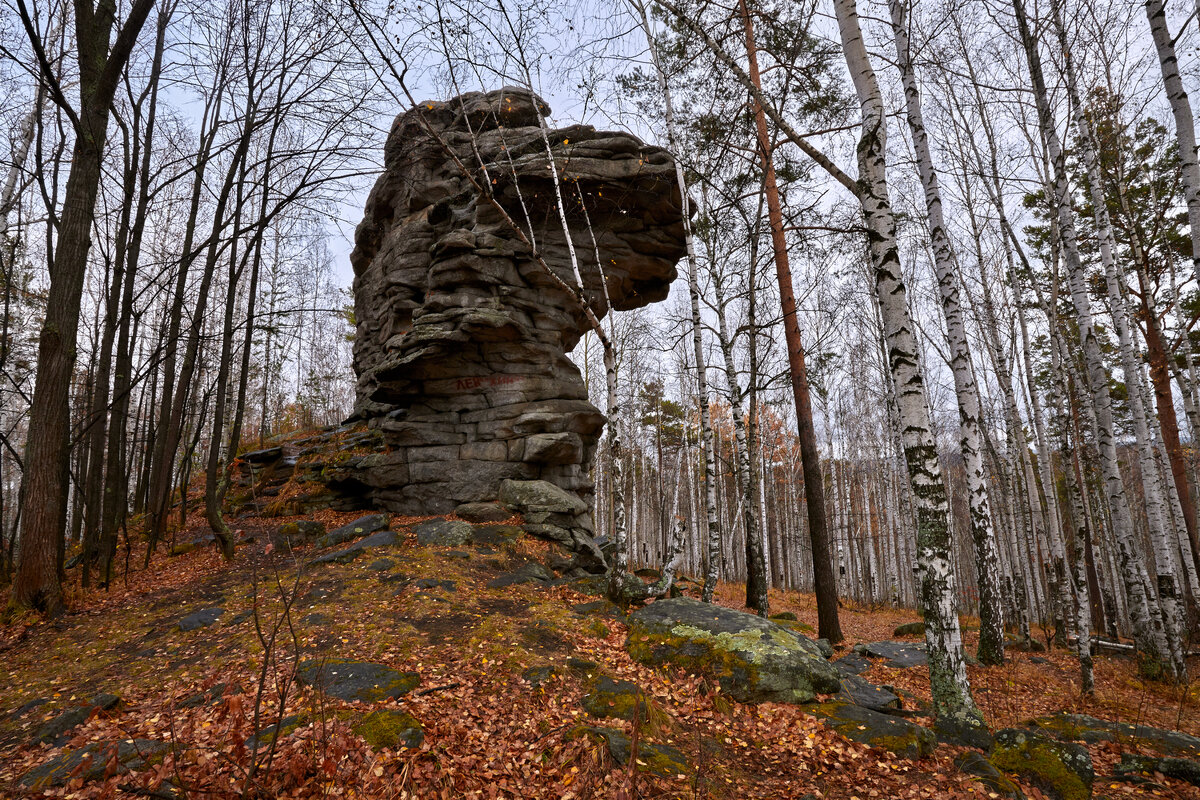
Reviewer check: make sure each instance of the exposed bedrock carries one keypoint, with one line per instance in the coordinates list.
(462, 339)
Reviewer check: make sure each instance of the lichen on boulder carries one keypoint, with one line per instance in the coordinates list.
(1061, 770)
(753, 659)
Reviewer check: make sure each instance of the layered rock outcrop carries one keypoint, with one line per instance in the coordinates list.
(462, 330)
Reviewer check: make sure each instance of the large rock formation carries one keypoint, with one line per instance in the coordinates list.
(462, 334)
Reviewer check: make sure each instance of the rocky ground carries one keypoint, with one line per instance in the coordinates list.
(414, 658)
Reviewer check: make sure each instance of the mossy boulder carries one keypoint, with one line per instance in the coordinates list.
(1082, 728)
(1184, 769)
(531, 572)
(784, 615)
(357, 529)
(348, 554)
(910, 629)
(1061, 770)
(356, 680)
(539, 676)
(497, 534)
(662, 760)
(390, 728)
(91, 762)
(613, 697)
(753, 659)
(302, 529)
(905, 739)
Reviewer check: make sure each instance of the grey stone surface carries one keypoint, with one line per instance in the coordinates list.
(356, 680)
(753, 659)
(526, 573)
(443, 533)
(897, 654)
(861, 692)
(91, 762)
(1083, 728)
(355, 530)
(348, 554)
(462, 332)
(860, 724)
(482, 512)
(54, 731)
(200, 619)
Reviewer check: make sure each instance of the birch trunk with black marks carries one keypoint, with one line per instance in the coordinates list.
(1185, 125)
(1146, 615)
(1163, 534)
(991, 610)
(952, 701)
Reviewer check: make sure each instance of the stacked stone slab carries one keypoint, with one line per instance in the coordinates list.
(462, 334)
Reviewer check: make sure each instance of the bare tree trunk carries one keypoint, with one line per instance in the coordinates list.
(825, 586)
(38, 582)
(1185, 125)
(707, 455)
(1162, 534)
(991, 612)
(953, 705)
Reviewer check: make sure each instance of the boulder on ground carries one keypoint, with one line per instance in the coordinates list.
(657, 759)
(897, 654)
(532, 497)
(976, 764)
(613, 697)
(200, 619)
(1184, 769)
(526, 573)
(443, 533)
(904, 738)
(1061, 770)
(390, 728)
(348, 533)
(1082, 728)
(861, 692)
(910, 629)
(753, 659)
(91, 762)
(356, 680)
(55, 730)
(348, 554)
(482, 512)
(302, 529)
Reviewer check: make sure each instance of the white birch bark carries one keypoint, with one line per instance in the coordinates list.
(1161, 534)
(991, 611)
(1145, 614)
(952, 701)
(1185, 125)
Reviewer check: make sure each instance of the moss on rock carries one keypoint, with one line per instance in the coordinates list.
(1060, 769)
(390, 728)
(754, 660)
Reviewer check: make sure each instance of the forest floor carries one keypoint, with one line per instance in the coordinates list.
(195, 698)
